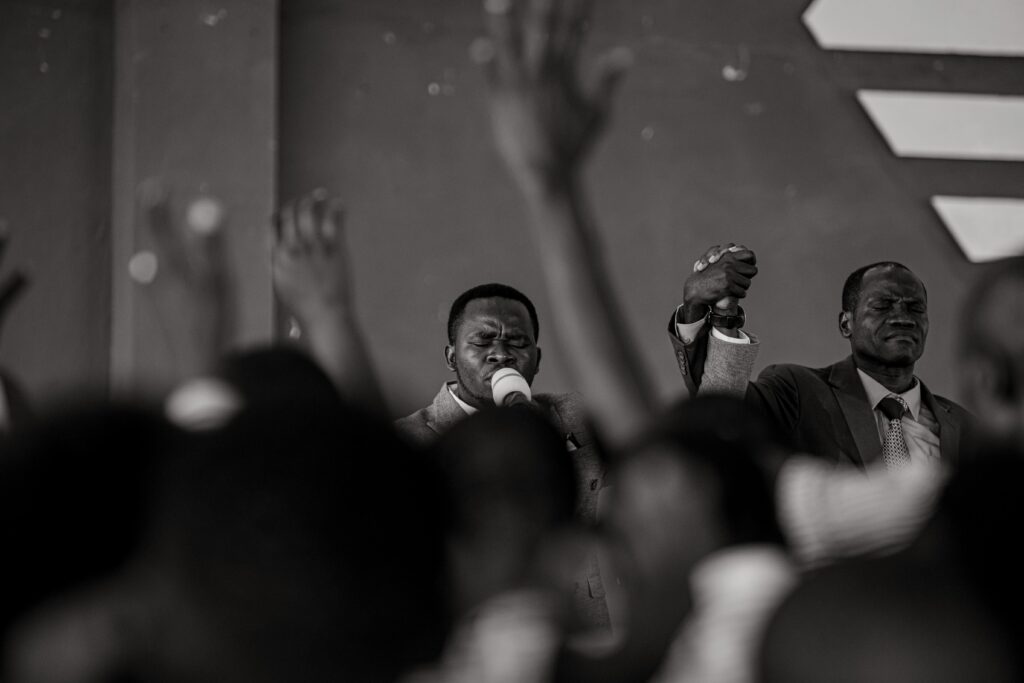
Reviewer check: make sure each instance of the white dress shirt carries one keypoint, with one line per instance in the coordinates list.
(920, 428)
(468, 409)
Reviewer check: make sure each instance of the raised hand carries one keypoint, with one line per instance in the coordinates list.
(544, 119)
(11, 286)
(312, 276)
(720, 277)
(313, 279)
(187, 274)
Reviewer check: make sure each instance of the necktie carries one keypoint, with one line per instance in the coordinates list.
(894, 449)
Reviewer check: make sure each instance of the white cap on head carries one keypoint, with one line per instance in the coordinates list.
(508, 381)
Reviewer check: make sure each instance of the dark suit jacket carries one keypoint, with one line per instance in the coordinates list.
(826, 412)
(822, 411)
(567, 413)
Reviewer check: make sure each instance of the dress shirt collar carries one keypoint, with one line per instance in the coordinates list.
(876, 392)
(462, 404)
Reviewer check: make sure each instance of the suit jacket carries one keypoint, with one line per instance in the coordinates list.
(568, 414)
(824, 411)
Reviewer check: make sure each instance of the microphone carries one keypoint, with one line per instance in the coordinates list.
(509, 388)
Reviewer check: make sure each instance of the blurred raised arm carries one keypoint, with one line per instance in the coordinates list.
(545, 121)
(187, 276)
(13, 284)
(313, 279)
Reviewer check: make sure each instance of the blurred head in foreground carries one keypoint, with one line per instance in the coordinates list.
(294, 538)
(513, 493)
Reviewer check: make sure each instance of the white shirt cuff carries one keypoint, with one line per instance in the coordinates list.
(688, 331)
(742, 339)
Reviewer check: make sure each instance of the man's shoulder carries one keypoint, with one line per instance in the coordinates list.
(568, 409)
(951, 406)
(795, 372)
(418, 417)
(424, 425)
(415, 426)
(568, 405)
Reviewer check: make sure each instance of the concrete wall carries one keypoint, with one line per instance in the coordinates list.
(56, 62)
(733, 125)
(195, 104)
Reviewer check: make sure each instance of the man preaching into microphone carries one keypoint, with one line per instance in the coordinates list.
(491, 327)
(492, 330)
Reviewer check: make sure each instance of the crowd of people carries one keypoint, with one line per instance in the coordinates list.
(268, 520)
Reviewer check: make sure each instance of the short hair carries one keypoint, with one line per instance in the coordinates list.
(851, 289)
(489, 291)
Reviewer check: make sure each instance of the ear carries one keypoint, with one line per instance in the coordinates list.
(449, 357)
(537, 364)
(844, 325)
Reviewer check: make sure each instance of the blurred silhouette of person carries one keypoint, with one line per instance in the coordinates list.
(665, 504)
(699, 549)
(515, 545)
(270, 531)
(945, 608)
(309, 539)
(891, 618)
(75, 507)
(991, 367)
(293, 537)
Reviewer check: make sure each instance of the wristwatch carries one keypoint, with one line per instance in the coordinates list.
(728, 322)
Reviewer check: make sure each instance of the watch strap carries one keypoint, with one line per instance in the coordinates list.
(728, 322)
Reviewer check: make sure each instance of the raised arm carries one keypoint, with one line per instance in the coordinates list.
(187, 277)
(313, 279)
(13, 283)
(14, 405)
(545, 122)
(714, 355)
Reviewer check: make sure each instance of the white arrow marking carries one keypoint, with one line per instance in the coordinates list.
(978, 27)
(986, 228)
(948, 126)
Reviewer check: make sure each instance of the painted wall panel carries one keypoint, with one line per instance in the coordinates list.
(195, 104)
(56, 61)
